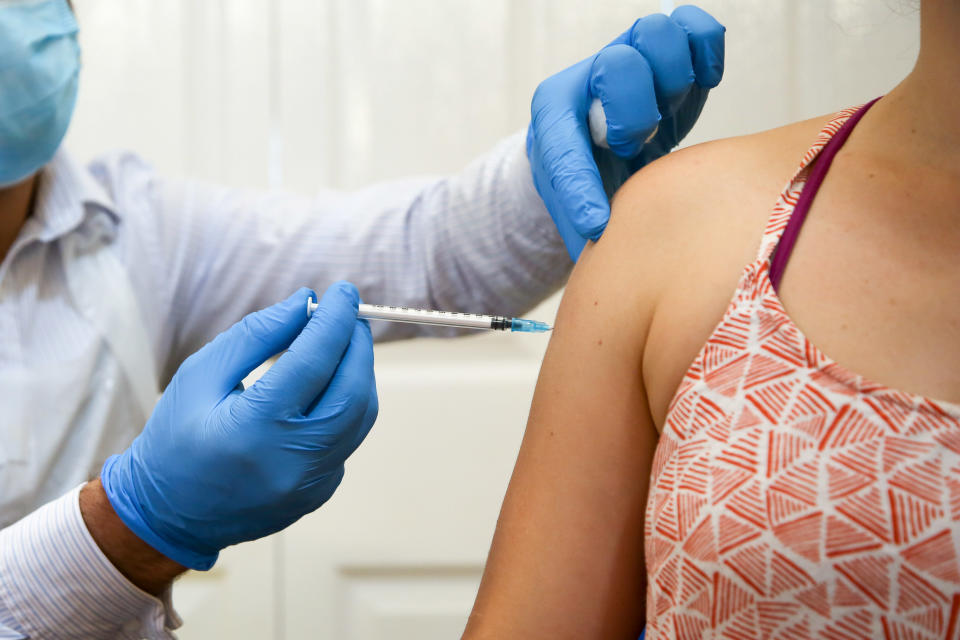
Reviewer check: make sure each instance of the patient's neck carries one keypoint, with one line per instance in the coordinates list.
(922, 110)
(16, 202)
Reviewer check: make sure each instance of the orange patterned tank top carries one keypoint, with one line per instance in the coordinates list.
(792, 498)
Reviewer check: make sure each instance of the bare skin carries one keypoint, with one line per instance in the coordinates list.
(872, 282)
(137, 561)
(16, 203)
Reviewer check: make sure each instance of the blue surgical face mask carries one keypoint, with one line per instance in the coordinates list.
(39, 69)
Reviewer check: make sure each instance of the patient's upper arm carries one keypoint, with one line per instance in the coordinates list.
(567, 556)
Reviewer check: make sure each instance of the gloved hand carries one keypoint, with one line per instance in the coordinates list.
(217, 464)
(657, 73)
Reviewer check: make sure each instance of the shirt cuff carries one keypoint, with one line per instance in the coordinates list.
(56, 583)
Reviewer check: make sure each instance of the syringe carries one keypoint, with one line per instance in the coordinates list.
(444, 318)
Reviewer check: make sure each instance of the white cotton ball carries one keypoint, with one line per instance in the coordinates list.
(597, 120)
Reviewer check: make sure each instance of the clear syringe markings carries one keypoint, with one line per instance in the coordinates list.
(444, 318)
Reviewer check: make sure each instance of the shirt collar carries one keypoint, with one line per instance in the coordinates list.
(67, 194)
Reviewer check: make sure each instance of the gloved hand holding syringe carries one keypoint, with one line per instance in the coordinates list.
(443, 318)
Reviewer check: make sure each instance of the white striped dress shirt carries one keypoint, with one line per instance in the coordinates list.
(199, 257)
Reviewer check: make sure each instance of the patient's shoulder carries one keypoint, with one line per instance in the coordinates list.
(688, 224)
(717, 183)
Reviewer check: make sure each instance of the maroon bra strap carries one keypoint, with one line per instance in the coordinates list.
(789, 238)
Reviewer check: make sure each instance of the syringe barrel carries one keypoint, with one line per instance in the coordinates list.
(426, 316)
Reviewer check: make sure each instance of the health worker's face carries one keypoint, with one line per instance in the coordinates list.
(39, 73)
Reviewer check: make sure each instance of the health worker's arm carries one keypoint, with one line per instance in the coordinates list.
(160, 506)
(479, 241)
(55, 582)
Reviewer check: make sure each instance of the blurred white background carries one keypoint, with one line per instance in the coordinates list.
(295, 94)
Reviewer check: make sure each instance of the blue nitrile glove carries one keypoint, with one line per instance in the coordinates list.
(657, 73)
(217, 464)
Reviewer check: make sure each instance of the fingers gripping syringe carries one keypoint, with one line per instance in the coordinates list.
(443, 318)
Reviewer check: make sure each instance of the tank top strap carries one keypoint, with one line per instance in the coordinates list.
(796, 196)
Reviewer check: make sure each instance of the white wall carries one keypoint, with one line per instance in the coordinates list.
(301, 93)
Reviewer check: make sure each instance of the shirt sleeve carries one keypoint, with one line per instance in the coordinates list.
(481, 241)
(56, 583)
